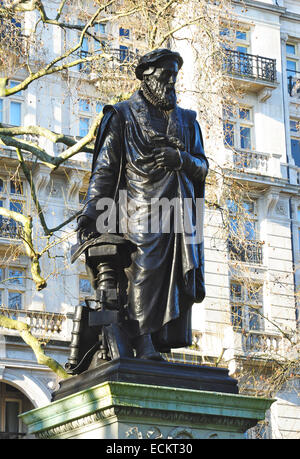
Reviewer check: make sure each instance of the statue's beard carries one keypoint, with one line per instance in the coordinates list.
(162, 96)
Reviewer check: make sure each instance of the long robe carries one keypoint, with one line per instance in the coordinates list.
(166, 275)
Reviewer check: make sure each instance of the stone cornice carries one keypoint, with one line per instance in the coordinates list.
(291, 16)
(282, 11)
(261, 6)
(173, 417)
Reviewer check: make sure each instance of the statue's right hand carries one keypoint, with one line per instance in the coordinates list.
(85, 228)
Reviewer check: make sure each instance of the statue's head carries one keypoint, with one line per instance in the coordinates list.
(158, 72)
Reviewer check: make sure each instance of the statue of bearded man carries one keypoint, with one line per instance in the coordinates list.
(151, 148)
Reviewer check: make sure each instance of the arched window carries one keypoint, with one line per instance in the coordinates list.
(12, 403)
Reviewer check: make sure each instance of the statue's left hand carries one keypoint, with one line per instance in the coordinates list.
(85, 228)
(168, 158)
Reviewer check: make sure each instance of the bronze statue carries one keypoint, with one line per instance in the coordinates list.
(149, 149)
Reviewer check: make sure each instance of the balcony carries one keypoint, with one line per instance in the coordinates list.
(257, 343)
(117, 64)
(247, 251)
(255, 73)
(113, 74)
(42, 324)
(262, 342)
(255, 162)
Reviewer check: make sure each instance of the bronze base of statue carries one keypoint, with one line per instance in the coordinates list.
(149, 372)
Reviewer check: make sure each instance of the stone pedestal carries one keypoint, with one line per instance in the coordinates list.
(116, 409)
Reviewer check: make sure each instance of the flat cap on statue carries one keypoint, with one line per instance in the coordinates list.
(149, 59)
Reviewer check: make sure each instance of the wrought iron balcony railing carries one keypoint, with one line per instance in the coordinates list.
(250, 66)
(248, 251)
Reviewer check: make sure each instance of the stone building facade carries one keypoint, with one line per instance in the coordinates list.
(233, 327)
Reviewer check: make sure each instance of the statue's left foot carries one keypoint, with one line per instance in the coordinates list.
(145, 349)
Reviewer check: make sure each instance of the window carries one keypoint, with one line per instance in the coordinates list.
(242, 46)
(290, 49)
(12, 403)
(16, 187)
(83, 53)
(84, 122)
(11, 107)
(16, 276)
(11, 197)
(12, 410)
(15, 206)
(87, 110)
(295, 126)
(238, 127)
(14, 300)
(125, 33)
(124, 53)
(245, 137)
(236, 36)
(99, 107)
(85, 289)
(250, 221)
(84, 105)
(292, 68)
(246, 302)
(100, 46)
(295, 148)
(84, 47)
(84, 285)
(241, 35)
(236, 39)
(84, 125)
(298, 221)
(242, 220)
(228, 132)
(100, 28)
(15, 113)
(243, 243)
(242, 43)
(13, 84)
(91, 45)
(295, 140)
(12, 287)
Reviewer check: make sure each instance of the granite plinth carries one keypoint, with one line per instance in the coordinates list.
(122, 410)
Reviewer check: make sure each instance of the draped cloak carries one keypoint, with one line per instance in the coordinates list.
(166, 275)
